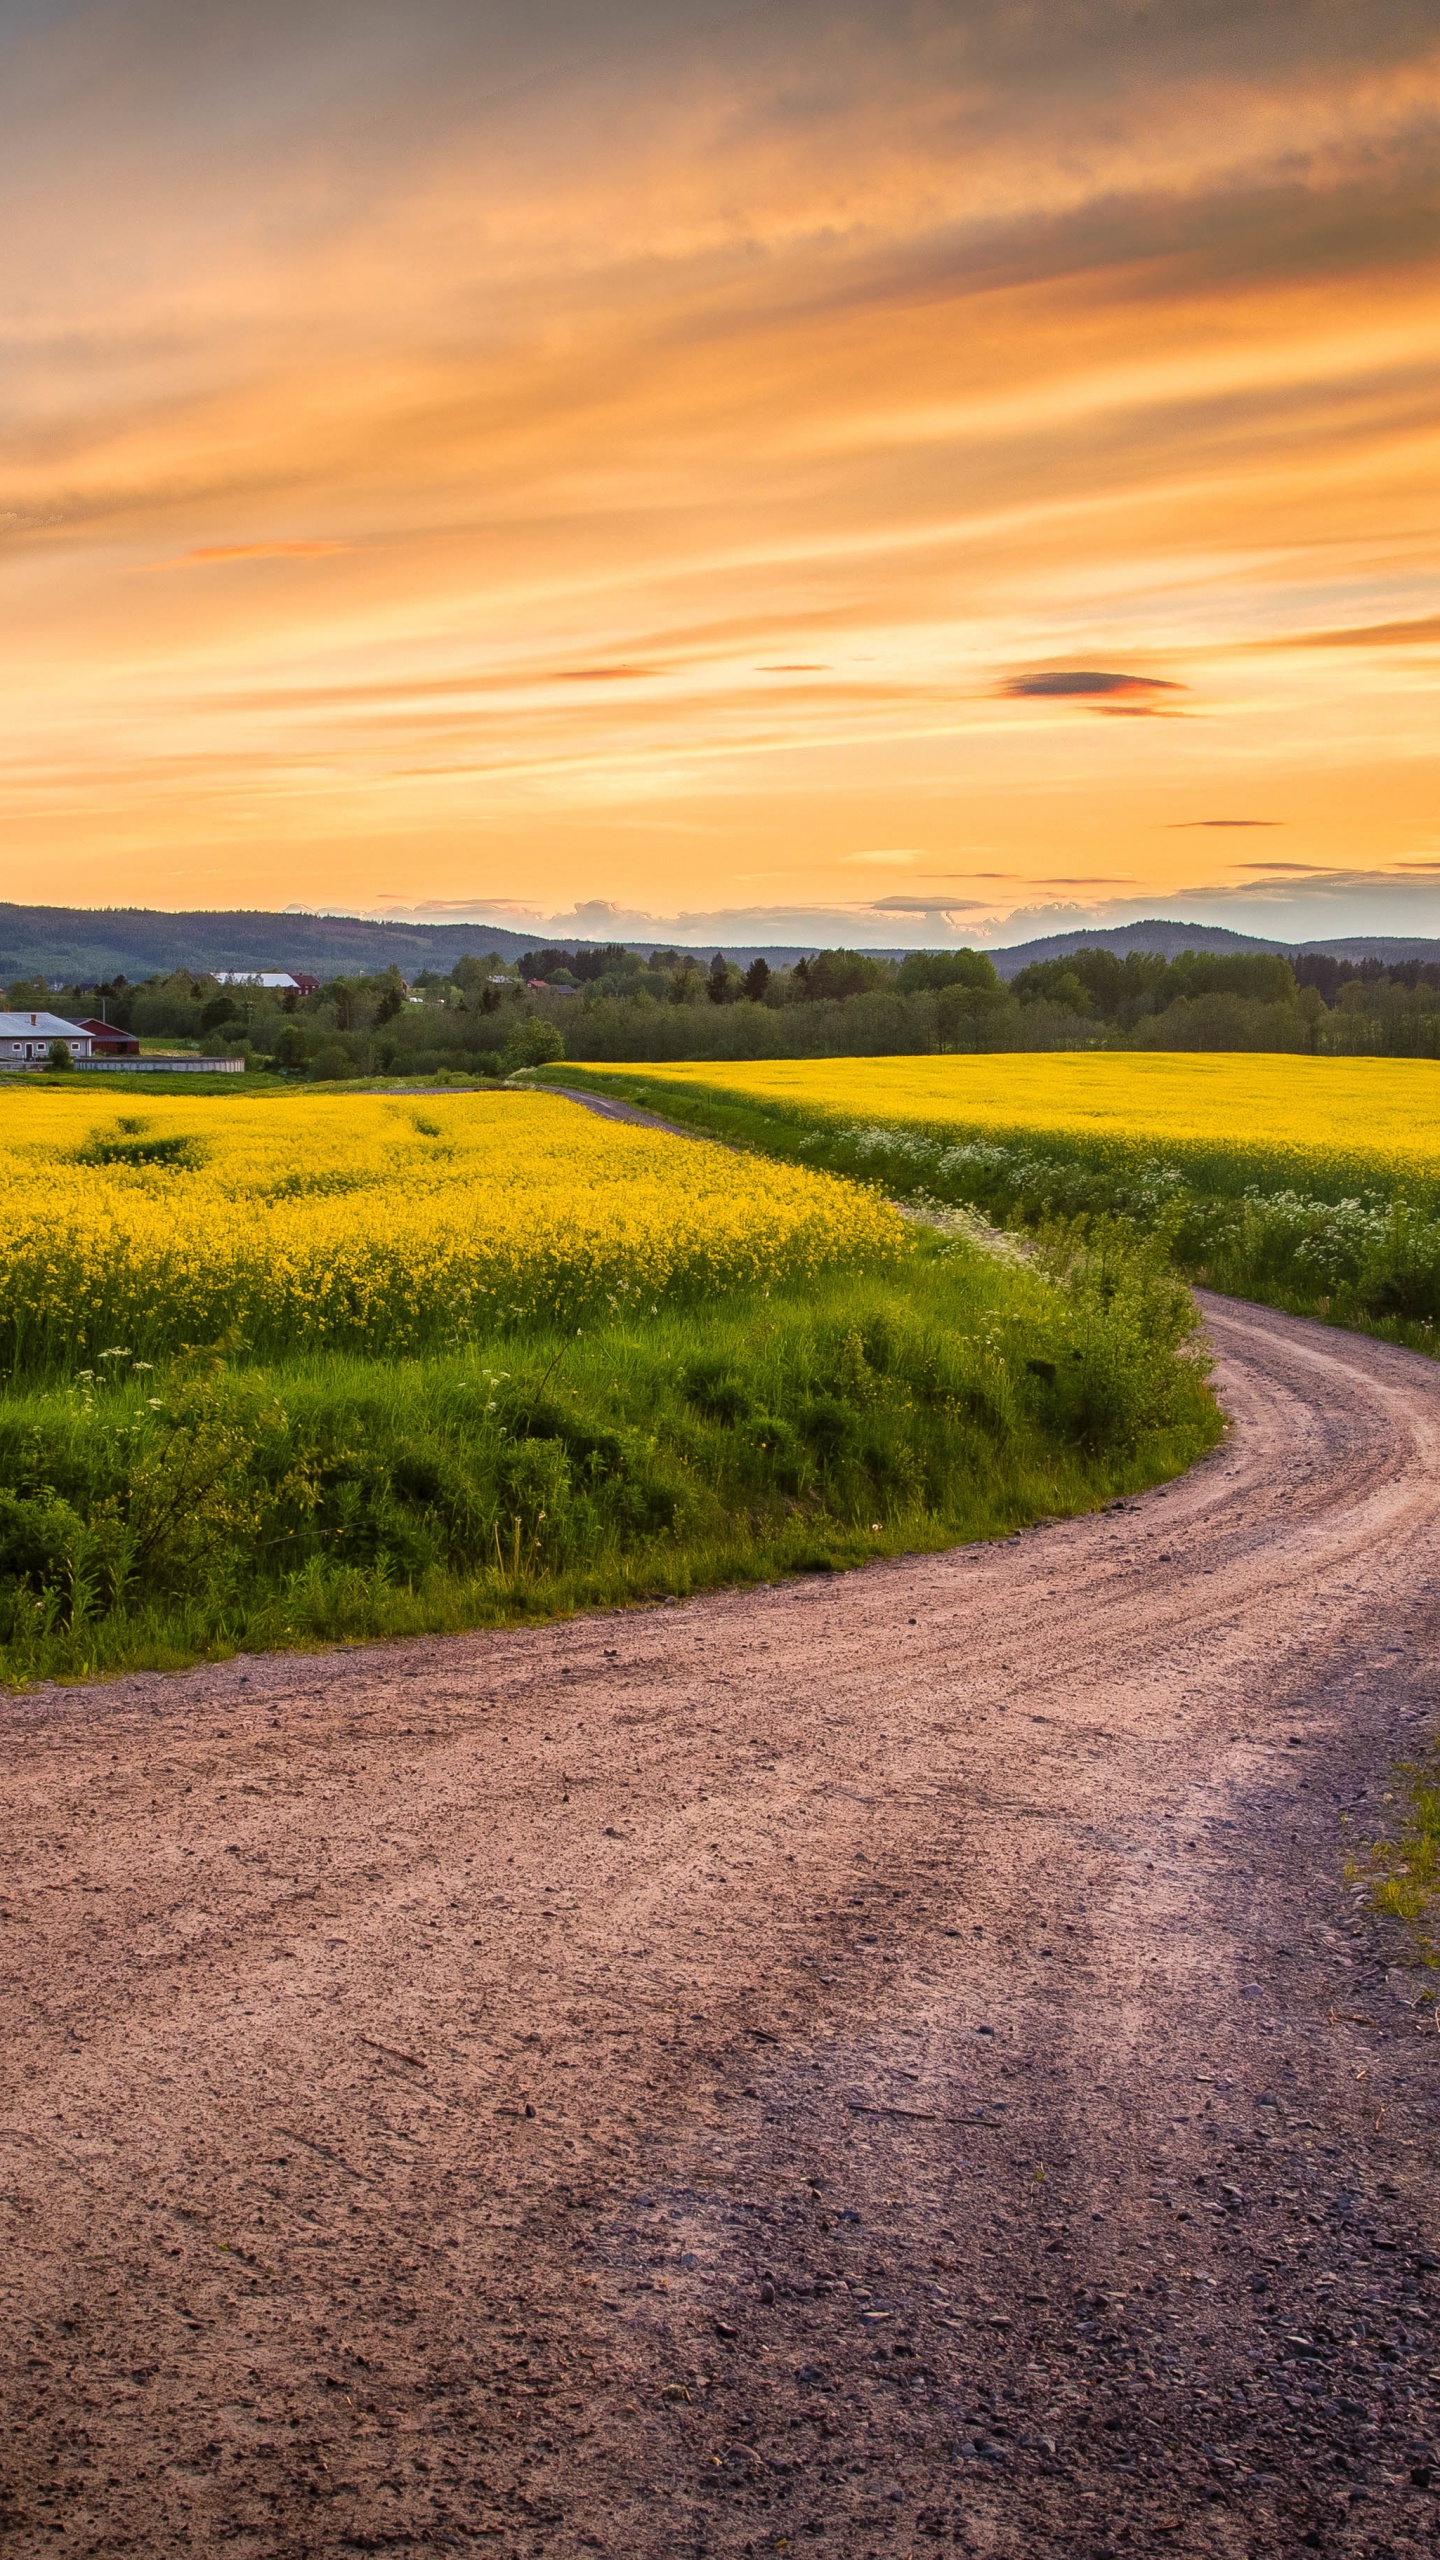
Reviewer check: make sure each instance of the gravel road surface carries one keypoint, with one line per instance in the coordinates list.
(874, 2066)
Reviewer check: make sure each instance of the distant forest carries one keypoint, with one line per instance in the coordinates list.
(489, 1015)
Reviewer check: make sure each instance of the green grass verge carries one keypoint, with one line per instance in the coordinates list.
(151, 1083)
(157, 1084)
(1367, 1260)
(158, 1518)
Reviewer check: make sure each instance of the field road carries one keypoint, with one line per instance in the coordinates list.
(879, 2065)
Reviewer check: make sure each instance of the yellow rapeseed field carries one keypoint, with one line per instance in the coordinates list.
(1378, 1118)
(374, 1223)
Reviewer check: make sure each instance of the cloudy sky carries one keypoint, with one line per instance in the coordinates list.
(893, 463)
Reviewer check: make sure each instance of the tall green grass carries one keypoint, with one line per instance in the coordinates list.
(152, 1518)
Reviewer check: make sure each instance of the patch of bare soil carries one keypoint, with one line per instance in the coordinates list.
(875, 2066)
(607, 1106)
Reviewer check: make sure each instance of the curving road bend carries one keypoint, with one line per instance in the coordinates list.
(879, 2065)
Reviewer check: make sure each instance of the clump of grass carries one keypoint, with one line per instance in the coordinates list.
(1404, 1874)
(223, 1502)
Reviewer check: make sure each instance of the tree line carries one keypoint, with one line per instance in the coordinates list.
(489, 1017)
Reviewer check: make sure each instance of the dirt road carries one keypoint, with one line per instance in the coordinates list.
(878, 2065)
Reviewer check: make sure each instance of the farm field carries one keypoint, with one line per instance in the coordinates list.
(289, 1371)
(1310, 1183)
(376, 1225)
(1326, 1119)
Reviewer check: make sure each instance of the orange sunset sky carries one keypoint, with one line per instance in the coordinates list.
(789, 467)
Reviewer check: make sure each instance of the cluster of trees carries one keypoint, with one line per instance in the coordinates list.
(480, 1022)
(1247, 1000)
(850, 1003)
(489, 1016)
(681, 977)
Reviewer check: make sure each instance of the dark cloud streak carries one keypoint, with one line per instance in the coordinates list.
(1081, 682)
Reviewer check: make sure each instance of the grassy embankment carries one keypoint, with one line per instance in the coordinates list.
(131, 1086)
(504, 1362)
(1311, 1184)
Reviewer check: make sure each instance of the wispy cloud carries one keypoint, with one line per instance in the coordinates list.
(1421, 633)
(936, 907)
(1348, 878)
(604, 675)
(214, 554)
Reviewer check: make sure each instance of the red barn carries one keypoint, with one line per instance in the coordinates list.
(107, 1040)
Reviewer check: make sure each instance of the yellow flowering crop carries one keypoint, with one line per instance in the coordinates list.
(371, 1222)
(1371, 1120)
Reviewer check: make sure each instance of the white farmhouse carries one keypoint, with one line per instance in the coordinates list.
(25, 1038)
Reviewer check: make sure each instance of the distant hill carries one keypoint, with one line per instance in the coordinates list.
(1375, 946)
(1157, 933)
(77, 945)
(1154, 933)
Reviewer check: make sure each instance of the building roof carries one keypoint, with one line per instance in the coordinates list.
(256, 978)
(39, 1026)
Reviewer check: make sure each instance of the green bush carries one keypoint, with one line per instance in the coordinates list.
(332, 1061)
(532, 1043)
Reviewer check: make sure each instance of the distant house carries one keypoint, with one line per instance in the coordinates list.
(107, 1040)
(25, 1038)
(543, 987)
(281, 982)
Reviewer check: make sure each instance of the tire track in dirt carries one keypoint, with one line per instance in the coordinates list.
(884, 2063)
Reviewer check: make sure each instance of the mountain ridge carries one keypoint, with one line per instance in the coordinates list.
(80, 945)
